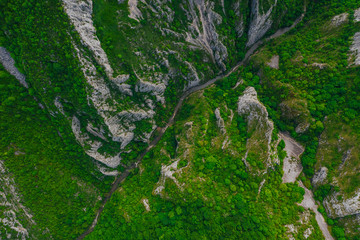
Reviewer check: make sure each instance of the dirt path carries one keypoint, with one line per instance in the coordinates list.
(292, 169)
(292, 166)
(309, 203)
(187, 93)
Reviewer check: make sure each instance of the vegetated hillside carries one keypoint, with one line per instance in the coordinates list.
(113, 70)
(109, 73)
(49, 188)
(209, 181)
(316, 77)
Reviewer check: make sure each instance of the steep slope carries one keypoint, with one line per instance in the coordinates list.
(314, 96)
(135, 58)
(202, 187)
(48, 186)
(111, 73)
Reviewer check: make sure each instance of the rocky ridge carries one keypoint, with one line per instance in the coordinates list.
(258, 124)
(200, 31)
(16, 219)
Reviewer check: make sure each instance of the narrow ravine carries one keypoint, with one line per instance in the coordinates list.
(292, 169)
(122, 176)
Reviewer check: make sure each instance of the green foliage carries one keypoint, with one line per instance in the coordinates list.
(215, 195)
(47, 164)
(322, 191)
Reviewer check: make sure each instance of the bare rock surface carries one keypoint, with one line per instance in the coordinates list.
(344, 207)
(258, 123)
(319, 177)
(293, 229)
(254, 110)
(167, 172)
(274, 62)
(135, 13)
(9, 64)
(202, 31)
(15, 214)
(357, 15)
(355, 49)
(320, 65)
(80, 14)
(84, 139)
(145, 201)
(240, 28)
(339, 19)
(220, 121)
(260, 22)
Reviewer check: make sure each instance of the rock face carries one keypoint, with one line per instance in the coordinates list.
(274, 62)
(167, 172)
(339, 19)
(129, 101)
(341, 208)
(9, 64)
(258, 124)
(202, 31)
(119, 123)
(292, 168)
(84, 139)
(134, 11)
(260, 21)
(319, 177)
(357, 15)
(339, 149)
(220, 121)
(80, 13)
(355, 49)
(15, 218)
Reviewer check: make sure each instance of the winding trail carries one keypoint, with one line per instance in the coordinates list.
(292, 169)
(122, 176)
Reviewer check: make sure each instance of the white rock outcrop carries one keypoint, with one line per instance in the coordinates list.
(239, 28)
(341, 208)
(15, 214)
(355, 49)
(156, 89)
(258, 123)
(319, 177)
(135, 13)
(220, 121)
(9, 64)
(274, 62)
(80, 14)
(255, 112)
(120, 124)
(145, 201)
(357, 15)
(339, 19)
(84, 140)
(202, 31)
(124, 88)
(260, 22)
(167, 172)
